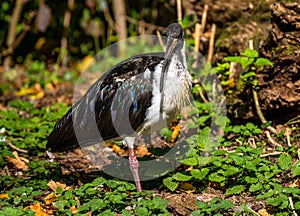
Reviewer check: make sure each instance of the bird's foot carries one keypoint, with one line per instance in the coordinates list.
(134, 166)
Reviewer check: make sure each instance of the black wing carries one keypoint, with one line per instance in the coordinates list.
(114, 106)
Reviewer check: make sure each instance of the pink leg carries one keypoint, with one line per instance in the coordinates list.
(134, 166)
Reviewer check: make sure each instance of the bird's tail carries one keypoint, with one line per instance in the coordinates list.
(63, 137)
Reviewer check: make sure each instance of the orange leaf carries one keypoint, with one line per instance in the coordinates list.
(231, 82)
(86, 62)
(295, 184)
(38, 95)
(74, 210)
(18, 162)
(40, 43)
(3, 196)
(50, 198)
(175, 133)
(263, 212)
(49, 86)
(25, 91)
(38, 209)
(142, 150)
(117, 149)
(53, 185)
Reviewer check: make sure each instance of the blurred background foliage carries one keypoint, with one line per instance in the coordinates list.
(39, 30)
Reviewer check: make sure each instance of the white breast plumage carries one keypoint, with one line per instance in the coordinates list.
(176, 90)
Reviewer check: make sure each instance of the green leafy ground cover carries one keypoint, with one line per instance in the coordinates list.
(247, 164)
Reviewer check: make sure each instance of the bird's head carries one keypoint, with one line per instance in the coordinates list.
(175, 31)
(175, 42)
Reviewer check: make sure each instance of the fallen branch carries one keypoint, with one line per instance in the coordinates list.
(256, 102)
(11, 36)
(17, 149)
(292, 206)
(161, 42)
(147, 25)
(179, 11)
(270, 154)
(271, 140)
(287, 133)
(254, 212)
(203, 19)
(259, 112)
(211, 43)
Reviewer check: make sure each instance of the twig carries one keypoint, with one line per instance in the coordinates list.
(64, 40)
(147, 25)
(17, 149)
(196, 55)
(270, 154)
(5, 171)
(287, 134)
(254, 212)
(259, 112)
(197, 37)
(294, 120)
(119, 9)
(108, 18)
(292, 206)
(256, 102)
(271, 140)
(232, 70)
(238, 141)
(211, 42)
(203, 19)
(251, 44)
(25, 29)
(12, 31)
(179, 11)
(233, 151)
(160, 40)
(251, 142)
(202, 95)
(197, 46)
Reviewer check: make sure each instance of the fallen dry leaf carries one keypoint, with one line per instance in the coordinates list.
(25, 91)
(263, 212)
(3, 196)
(186, 187)
(117, 149)
(38, 209)
(295, 184)
(49, 86)
(87, 62)
(18, 162)
(142, 150)
(74, 210)
(50, 198)
(175, 133)
(34, 93)
(53, 185)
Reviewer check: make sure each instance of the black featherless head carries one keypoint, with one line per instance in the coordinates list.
(175, 31)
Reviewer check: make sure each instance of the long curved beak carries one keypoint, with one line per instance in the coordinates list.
(169, 51)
